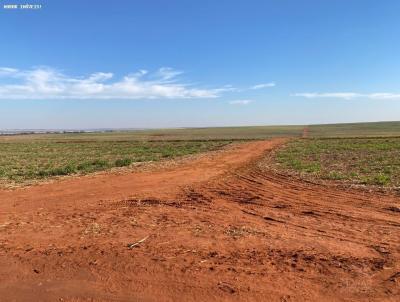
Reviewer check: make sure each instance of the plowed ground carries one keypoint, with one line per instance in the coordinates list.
(217, 228)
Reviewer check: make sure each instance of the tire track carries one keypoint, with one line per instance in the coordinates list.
(218, 229)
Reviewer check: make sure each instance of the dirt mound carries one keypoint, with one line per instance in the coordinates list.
(218, 228)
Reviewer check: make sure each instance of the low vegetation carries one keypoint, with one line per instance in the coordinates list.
(378, 129)
(31, 157)
(181, 134)
(369, 161)
(24, 160)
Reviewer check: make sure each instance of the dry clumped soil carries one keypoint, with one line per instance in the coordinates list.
(215, 228)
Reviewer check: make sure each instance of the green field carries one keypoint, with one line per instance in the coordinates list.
(27, 158)
(181, 134)
(367, 161)
(379, 129)
(24, 160)
(32, 157)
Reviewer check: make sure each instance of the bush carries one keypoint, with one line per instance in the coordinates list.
(57, 171)
(123, 162)
(94, 165)
(381, 179)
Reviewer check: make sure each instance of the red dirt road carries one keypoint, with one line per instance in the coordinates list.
(217, 228)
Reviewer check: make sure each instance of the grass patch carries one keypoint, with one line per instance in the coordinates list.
(369, 161)
(123, 162)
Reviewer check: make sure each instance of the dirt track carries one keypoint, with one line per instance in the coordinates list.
(218, 228)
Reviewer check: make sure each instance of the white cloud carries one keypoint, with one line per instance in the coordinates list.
(264, 85)
(167, 73)
(7, 71)
(385, 96)
(240, 102)
(48, 83)
(350, 95)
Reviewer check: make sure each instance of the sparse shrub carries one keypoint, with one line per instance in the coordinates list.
(333, 175)
(123, 162)
(94, 165)
(57, 171)
(381, 179)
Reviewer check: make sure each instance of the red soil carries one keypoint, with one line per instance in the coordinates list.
(217, 228)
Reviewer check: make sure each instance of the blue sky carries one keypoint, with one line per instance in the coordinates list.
(91, 64)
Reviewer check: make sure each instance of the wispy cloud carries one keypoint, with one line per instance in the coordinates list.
(49, 83)
(263, 85)
(350, 95)
(240, 102)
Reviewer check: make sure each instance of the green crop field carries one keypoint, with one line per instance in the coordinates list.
(380, 129)
(24, 160)
(178, 134)
(32, 157)
(368, 161)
